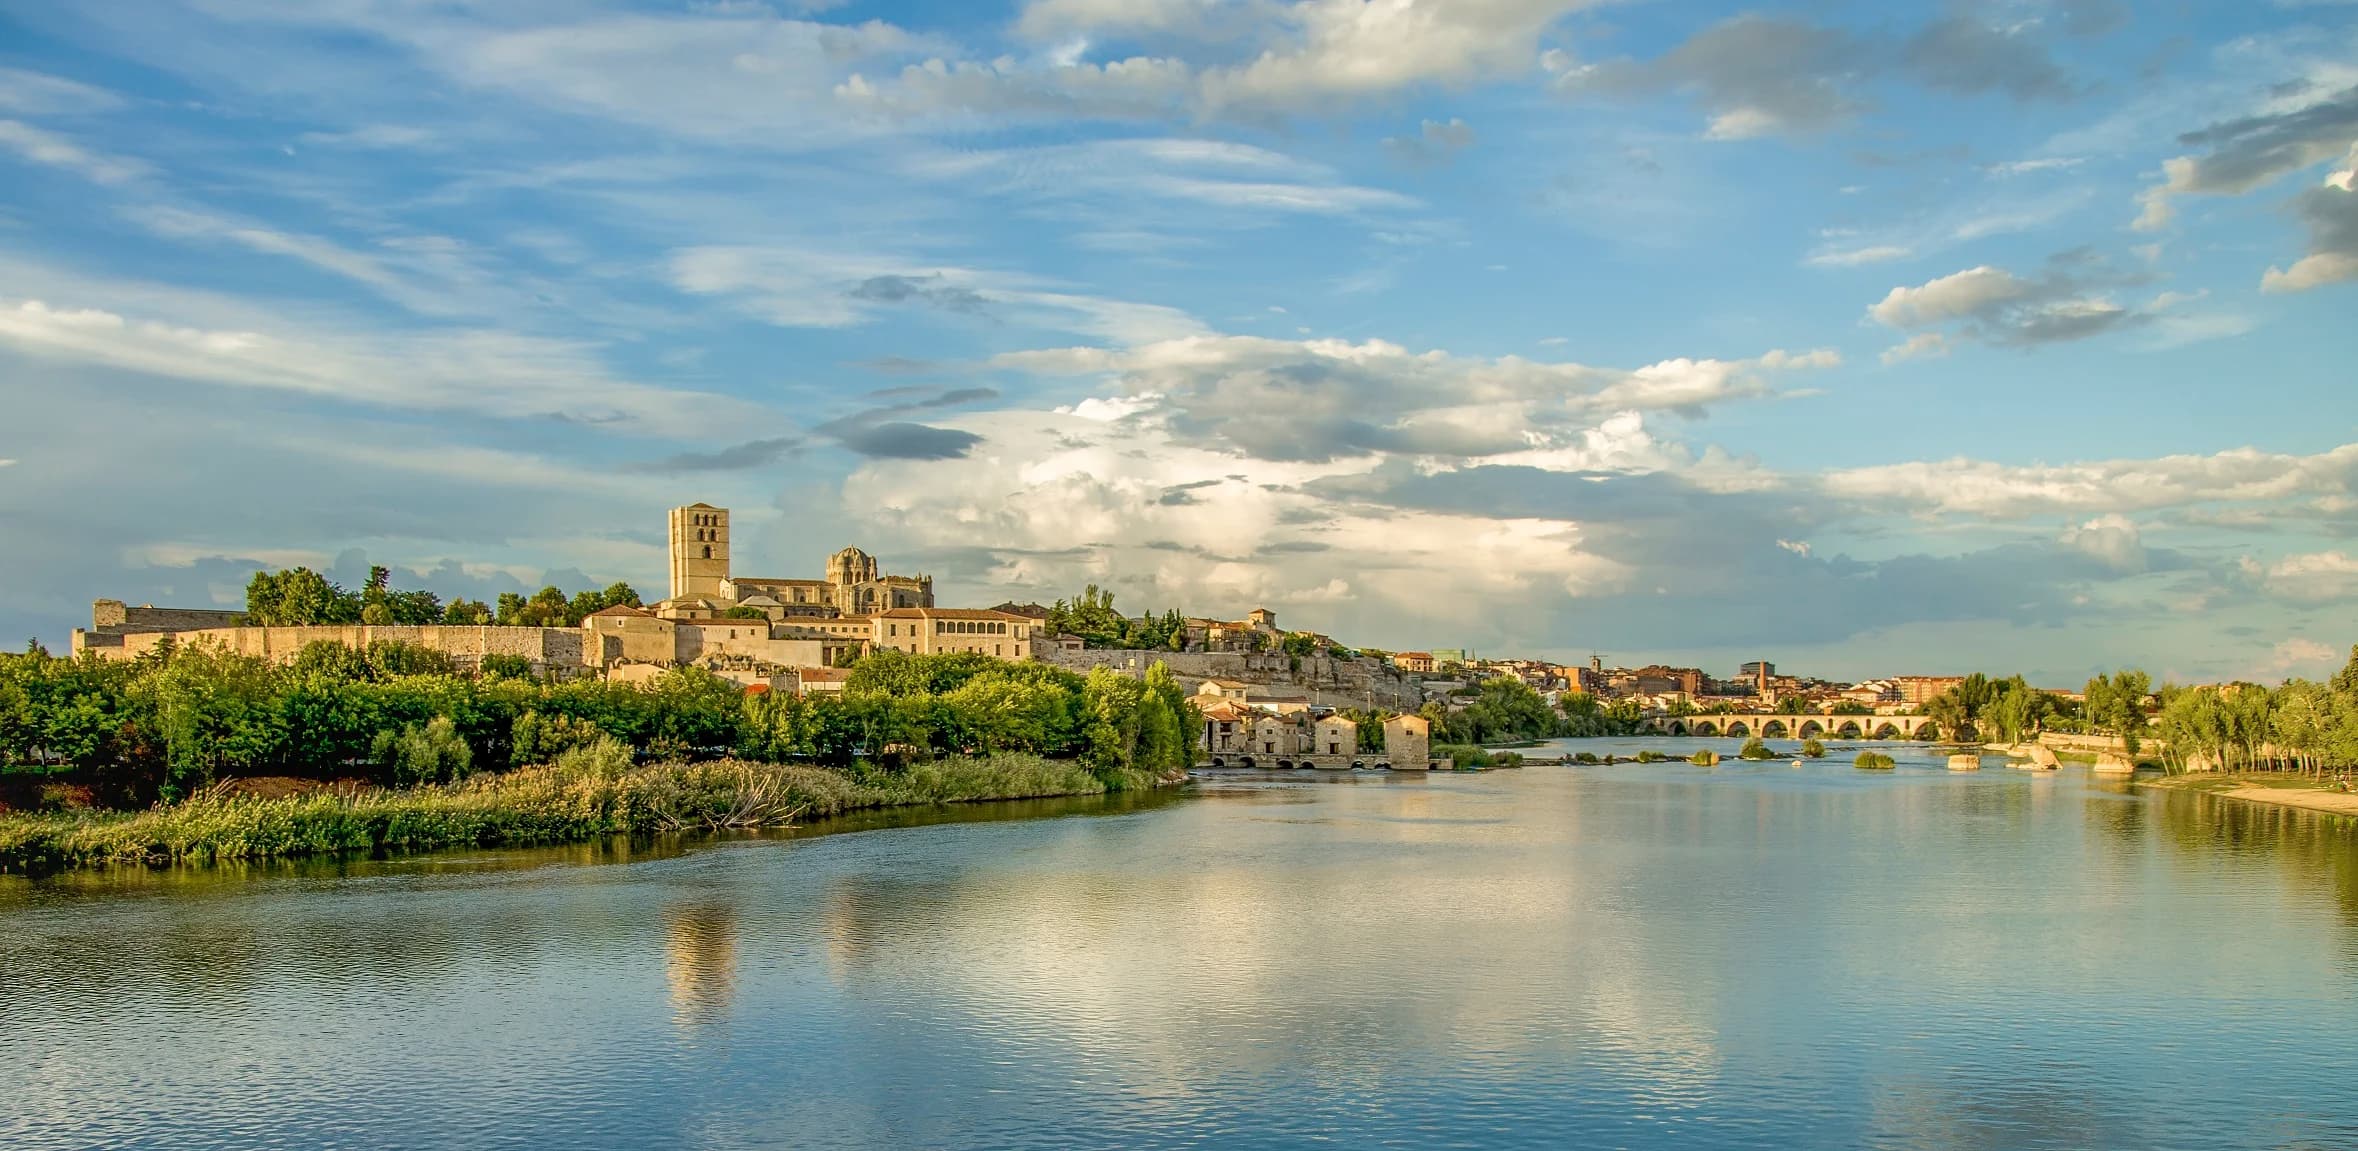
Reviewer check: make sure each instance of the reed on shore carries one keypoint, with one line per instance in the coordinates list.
(587, 794)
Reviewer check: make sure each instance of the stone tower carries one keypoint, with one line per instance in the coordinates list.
(699, 550)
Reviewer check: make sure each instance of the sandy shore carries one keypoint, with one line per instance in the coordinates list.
(2309, 798)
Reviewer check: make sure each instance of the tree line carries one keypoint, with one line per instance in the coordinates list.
(2298, 725)
(178, 718)
(300, 597)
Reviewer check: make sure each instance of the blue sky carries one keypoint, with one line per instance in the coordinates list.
(1871, 339)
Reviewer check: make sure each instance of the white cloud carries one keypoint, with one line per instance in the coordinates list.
(810, 287)
(39, 94)
(2314, 578)
(1853, 257)
(1993, 305)
(1058, 500)
(489, 372)
(1990, 490)
(40, 146)
(2112, 539)
(1304, 57)
(1319, 399)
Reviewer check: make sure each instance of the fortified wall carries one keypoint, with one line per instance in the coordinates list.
(113, 616)
(1325, 681)
(549, 648)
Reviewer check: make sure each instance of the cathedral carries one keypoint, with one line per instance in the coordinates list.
(702, 586)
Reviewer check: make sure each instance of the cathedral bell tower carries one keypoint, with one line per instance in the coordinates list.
(699, 551)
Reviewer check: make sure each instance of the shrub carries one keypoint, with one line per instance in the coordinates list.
(1704, 758)
(1873, 761)
(1812, 748)
(1585, 757)
(1650, 755)
(503, 666)
(1754, 749)
(433, 753)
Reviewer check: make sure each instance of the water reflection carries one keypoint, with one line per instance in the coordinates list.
(700, 959)
(1651, 956)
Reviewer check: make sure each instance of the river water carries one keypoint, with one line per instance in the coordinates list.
(1656, 956)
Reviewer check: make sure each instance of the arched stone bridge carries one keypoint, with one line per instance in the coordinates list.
(1797, 726)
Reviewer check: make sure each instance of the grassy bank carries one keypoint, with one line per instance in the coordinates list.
(583, 796)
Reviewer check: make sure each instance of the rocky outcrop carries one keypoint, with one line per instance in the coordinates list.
(1322, 680)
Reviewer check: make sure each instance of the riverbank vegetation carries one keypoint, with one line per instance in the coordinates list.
(589, 793)
(2300, 726)
(390, 748)
(1874, 761)
(166, 725)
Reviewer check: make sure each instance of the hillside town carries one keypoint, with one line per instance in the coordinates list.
(1263, 693)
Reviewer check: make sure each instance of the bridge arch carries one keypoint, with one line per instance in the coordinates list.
(1773, 729)
(1848, 730)
(1735, 728)
(1810, 728)
(1885, 730)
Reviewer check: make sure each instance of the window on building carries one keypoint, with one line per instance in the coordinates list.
(708, 551)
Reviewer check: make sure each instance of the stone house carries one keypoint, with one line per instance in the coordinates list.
(1334, 735)
(1408, 742)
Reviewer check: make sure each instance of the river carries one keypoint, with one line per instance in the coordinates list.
(1656, 956)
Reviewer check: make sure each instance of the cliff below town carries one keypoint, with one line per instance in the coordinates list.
(1322, 680)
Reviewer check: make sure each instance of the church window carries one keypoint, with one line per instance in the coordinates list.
(708, 551)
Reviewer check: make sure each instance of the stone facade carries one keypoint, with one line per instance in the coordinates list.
(932, 631)
(702, 584)
(112, 621)
(1408, 743)
(550, 649)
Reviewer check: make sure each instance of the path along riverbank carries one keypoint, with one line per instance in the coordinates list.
(579, 798)
(2283, 791)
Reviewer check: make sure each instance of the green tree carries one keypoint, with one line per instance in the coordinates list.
(298, 597)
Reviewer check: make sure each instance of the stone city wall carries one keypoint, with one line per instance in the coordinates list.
(546, 647)
(115, 615)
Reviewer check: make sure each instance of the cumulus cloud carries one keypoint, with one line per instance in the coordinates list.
(2112, 539)
(1318, 400)
(2314, 578)
(1995, 306)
